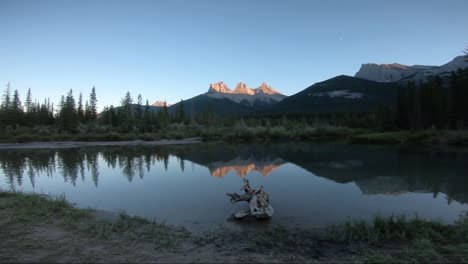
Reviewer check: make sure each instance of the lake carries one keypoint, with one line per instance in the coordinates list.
(310, 184)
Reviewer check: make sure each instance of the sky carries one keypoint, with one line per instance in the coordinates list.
(172, 50)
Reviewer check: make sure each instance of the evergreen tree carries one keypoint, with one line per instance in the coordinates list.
(146, 124)
(164, 118)
(87, 112)
(127, 115)
(113, 116)
(16, 109)
(139, 110)
(68, 116)
(80, 110)
(6, 99)
(28, 103)
(93, 105)
(208, 114)
(180, 114)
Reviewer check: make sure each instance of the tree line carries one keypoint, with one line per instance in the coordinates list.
(438, 103)
(71, 113)
(66, 116)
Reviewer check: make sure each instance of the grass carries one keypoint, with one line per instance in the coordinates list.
(279, 133)
(424, 137)
(402, 240)
(395, 228)
(245, 133)
(27, 208)
(31, 207)
(226, 133)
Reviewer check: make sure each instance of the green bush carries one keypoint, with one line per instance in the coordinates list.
(389, 138)
(23, 138)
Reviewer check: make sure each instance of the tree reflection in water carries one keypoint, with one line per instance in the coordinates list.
(373, 170)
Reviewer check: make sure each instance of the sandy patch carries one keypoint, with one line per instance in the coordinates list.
(76, 144)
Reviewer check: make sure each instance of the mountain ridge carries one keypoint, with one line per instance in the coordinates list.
(243, 94)
(395, 72)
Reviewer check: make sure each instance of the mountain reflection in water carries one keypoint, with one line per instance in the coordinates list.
(374, 171)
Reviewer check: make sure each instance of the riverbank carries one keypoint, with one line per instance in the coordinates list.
(75, 144)
(39, 228)
(458, 138)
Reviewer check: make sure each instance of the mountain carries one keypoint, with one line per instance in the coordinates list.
(243, 166)
(398, 72)
(161, 104)
(223, 101)
(244, 94)
(372, 170)
(202, 103)
(339, 94)
(387, 72)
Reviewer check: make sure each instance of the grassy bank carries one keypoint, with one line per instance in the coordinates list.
(29, 208)
(259, 133)
(43, 228)
(427, 137)
(179, 131)
(398, 239)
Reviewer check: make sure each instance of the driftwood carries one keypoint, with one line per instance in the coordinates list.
(258, 199)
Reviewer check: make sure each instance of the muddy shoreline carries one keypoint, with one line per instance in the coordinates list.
(40, 228)
(77, 144)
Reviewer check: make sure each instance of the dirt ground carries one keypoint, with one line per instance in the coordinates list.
(74, 144)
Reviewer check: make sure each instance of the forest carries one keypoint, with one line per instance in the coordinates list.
(438, 104)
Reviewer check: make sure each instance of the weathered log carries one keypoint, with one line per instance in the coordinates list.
(259, 202)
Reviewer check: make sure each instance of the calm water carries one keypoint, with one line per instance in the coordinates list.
(310, 184)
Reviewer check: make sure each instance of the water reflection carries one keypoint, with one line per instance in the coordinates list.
(373, 170)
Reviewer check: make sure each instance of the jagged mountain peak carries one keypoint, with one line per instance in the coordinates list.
(242, 92)
(219, 87)
(161, 104)
(267, 89)
(242, 88)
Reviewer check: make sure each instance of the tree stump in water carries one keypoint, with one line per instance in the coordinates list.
(259, 202)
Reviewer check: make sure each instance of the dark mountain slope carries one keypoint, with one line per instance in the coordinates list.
(339, 94)
(202, 104)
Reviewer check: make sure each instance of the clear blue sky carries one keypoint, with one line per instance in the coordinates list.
(173, 50)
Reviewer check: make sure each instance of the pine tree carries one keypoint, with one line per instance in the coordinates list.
(127, 115)
(28, 103)
(93, 105)
(80, 110)
(16, 109)
(114, 117)
(5, 106)
(164, 116)
(139, 110)
(68, 116)
(87, 112)
(147, 117)
(180, 114)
